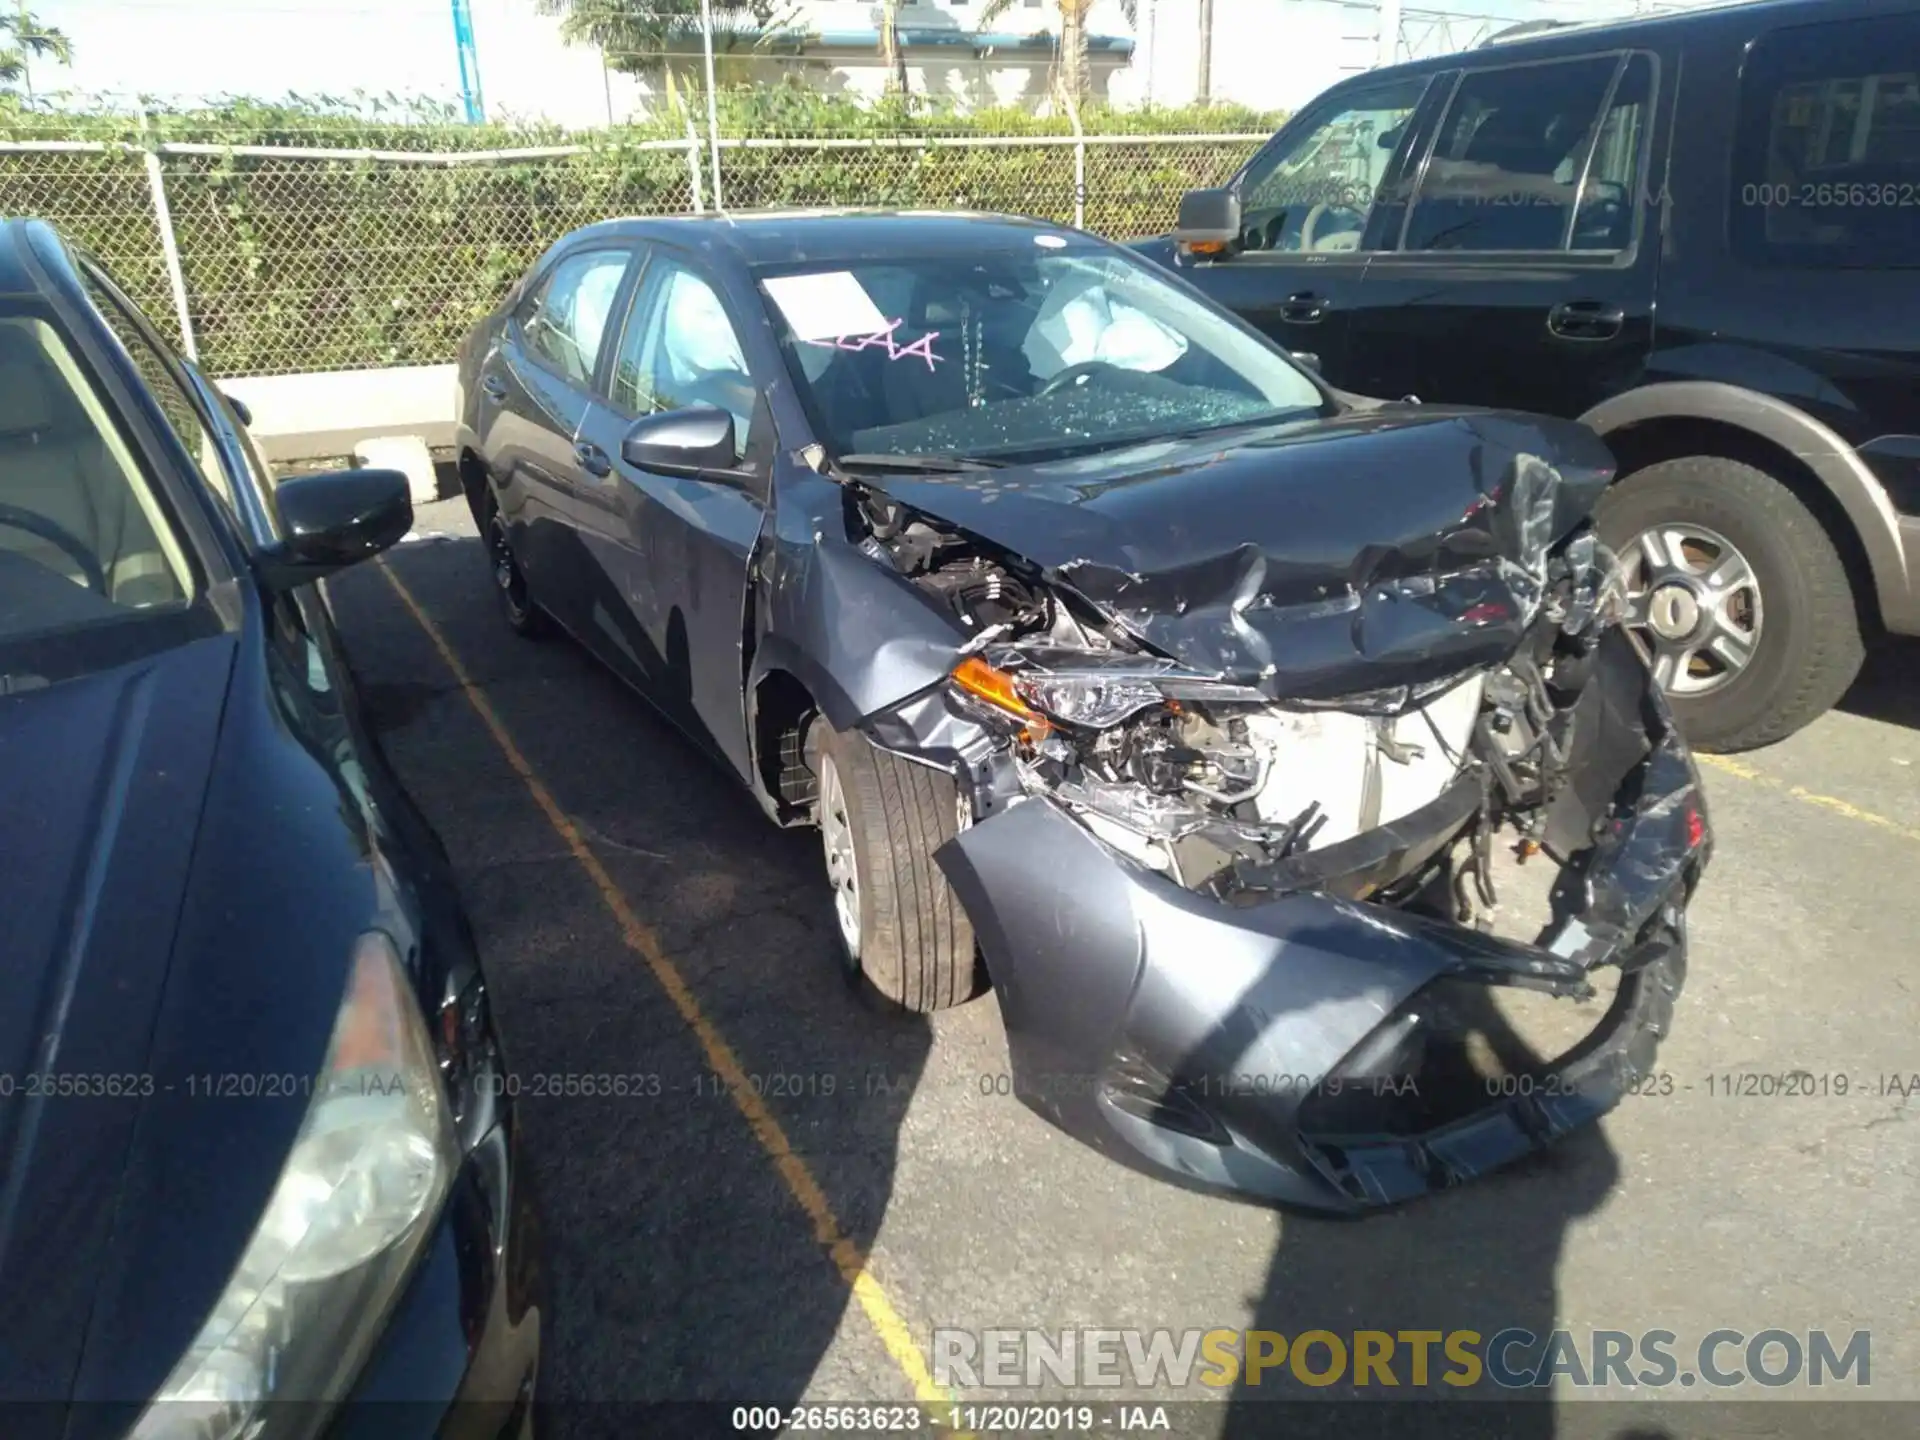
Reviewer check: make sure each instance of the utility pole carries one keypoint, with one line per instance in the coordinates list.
(1389, 44)
(470, 97)
(1204, 84)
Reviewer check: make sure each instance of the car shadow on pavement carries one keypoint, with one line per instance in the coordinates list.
(1482, 1257)
(683, 1258)
(1888, 687)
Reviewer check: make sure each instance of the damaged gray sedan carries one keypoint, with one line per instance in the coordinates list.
(1125, 669)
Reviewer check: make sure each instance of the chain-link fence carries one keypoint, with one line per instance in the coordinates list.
(332, 247)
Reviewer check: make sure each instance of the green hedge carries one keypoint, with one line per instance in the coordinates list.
(296, 264)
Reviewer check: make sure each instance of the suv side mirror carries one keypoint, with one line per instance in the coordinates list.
(1307, 359)
(698, 440)
(1209, 221)
(332, 521)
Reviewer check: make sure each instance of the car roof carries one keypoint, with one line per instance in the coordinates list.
(774, 237)
(17, 273)
(1621, 31)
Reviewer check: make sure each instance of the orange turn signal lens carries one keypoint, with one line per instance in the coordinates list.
(981, 680)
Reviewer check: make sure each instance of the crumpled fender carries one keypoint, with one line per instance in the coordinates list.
(856, 633)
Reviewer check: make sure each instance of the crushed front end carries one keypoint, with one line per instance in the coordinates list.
(1240, 908)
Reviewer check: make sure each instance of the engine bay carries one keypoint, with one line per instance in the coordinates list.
(1240, 794)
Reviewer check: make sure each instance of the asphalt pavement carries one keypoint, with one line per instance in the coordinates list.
(773, 1193)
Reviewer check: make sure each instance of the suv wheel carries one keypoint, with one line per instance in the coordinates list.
(881, 819)
(1738, 598)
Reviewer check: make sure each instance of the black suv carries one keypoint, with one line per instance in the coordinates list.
(1698, 233)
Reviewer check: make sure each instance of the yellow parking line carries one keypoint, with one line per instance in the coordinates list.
(847, 1256)
(1811, 797)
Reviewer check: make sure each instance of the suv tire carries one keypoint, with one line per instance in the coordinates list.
(1809, 646)
(911, 940)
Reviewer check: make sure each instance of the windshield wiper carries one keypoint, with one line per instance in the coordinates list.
(927, 464)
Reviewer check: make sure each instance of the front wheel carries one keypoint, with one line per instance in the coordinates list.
(901, 926)
(1737, 598)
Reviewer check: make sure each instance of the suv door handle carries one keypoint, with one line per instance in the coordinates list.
(494, 386)
(592, 459)
(1586, 320)
(1305, 308)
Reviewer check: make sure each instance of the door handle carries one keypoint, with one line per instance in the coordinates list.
(1586, 320)
(494, 386)
(1306, 308)
(592, 459)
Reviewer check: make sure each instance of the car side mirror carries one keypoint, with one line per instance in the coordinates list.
(697, 440)
(242, 411)
(331, 521)
(1209, 221)
(1307, 359)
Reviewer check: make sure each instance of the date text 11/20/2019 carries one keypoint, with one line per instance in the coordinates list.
(978, 1419)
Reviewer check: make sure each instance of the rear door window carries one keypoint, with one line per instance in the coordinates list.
(1827, 163)
(1510, 170)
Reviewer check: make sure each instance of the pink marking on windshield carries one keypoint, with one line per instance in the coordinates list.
(921, 349)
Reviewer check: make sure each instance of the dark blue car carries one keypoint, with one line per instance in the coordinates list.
(252, 1165)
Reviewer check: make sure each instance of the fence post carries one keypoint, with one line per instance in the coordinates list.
(713, 105)
(693, 160)
(1079, 162)
(169, 246)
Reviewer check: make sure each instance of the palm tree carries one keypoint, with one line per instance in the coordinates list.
(1073, 38)
(25, 38)
(642, 37)
(891, 55)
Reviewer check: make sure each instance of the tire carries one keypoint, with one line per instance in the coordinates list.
(517, 607)
(1806, 645)
(913, 942)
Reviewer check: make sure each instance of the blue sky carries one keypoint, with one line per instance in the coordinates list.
(202, 48)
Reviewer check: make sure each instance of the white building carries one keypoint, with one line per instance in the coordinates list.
(1268, 54)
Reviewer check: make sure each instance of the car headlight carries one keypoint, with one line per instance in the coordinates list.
(1090, 692)
(361, 1189)
(1095, 699)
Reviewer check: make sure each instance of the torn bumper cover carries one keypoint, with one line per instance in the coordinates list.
(1313, 1049)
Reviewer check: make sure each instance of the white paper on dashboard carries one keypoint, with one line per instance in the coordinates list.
(826, 306)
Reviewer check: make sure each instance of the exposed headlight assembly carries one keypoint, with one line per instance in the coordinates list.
(1095, 699)
(1086, 690)
(361, 1190)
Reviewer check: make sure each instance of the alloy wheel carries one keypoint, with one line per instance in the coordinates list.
(1694, 607)
(843, 866)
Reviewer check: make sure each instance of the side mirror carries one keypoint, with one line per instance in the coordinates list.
(1209, 221)
(698, 440)
(240, 408)
(332, 521)
(1307, 359)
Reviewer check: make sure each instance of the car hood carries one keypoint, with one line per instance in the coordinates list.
(106, 777)
(1386, 546)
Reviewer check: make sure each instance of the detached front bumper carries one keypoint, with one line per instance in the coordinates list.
(1310, 1050)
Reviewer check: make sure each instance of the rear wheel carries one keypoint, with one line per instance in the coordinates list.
(901, 926)
(1737, 598)
(523, 617)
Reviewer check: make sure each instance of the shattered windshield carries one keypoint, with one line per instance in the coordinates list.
(1018, 354)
